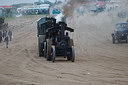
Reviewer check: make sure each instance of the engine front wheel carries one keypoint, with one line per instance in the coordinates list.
(68, 57)
(48, 54)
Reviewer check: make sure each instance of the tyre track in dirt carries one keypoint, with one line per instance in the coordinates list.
(98, 61)
(43, 66)
(99, 48)
(41, 74)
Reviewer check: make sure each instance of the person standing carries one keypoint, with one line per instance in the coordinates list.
(0, 36)
(6, 41)
(4, 34)
(10, 34)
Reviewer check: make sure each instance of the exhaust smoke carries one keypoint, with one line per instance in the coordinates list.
(59, 17)
(67, 9)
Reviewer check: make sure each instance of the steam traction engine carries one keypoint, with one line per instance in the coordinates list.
(54, 41)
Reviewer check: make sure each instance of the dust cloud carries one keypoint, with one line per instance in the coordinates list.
(102, 19)
(72, 5)
(105, 19)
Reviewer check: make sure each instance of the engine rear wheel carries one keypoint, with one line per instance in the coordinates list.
(73, 54)
(40, 47)
(53, 54)
(71, 43)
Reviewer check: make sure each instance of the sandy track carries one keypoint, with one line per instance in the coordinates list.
(98, 61)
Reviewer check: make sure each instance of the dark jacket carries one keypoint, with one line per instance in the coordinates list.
(6, 38)
(4, 33)
(10, 33)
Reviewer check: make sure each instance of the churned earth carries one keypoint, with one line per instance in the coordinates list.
(98, 61)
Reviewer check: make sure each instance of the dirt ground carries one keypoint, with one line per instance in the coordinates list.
(98, 61)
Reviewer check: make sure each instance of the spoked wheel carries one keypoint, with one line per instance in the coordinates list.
(48, 53)
(73, 54)
(45, 49)
(71, 43)
(53, 53)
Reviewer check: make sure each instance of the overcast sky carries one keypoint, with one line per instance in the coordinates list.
(10, 2)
